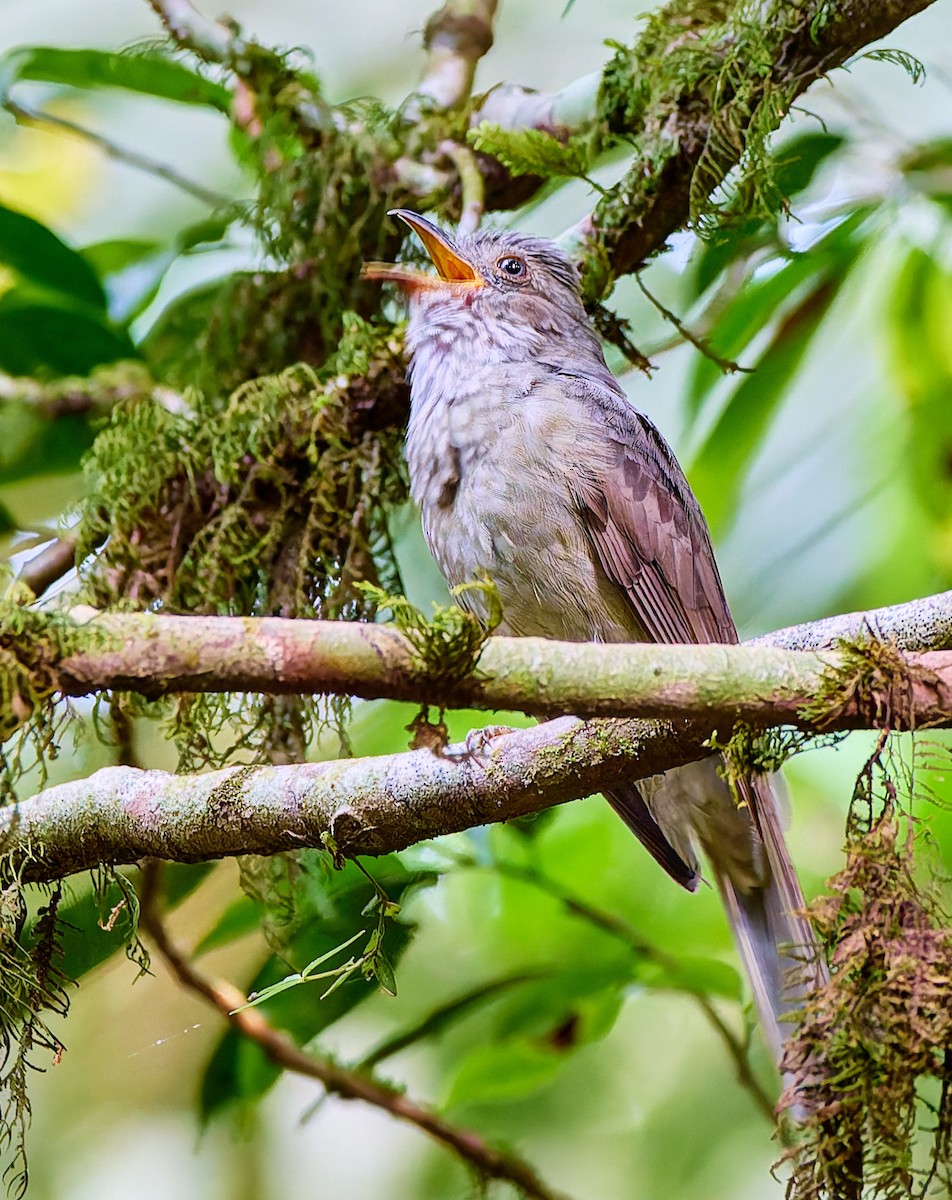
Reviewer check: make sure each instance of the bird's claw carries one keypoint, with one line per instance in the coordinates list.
(479, 741)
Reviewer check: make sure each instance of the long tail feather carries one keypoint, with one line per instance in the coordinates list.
(774, 938)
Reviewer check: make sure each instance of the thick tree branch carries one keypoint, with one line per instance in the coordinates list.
(366, 805)
(489, 1161)
(763, 683)
(695, 120)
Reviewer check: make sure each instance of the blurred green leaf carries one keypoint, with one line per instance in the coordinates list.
(444, 1017)
(45, 338)
(241, 917)
(132, 270)
(754, 308)
(718, 472)
(921, 363)
(720, 465)
(695, 975)
(38, 447)
(149, 74)
(36, 253)
(503, 1071)
(179, 880)
(541, 1008)
(85, 938)
(180, 326)
(799, 158)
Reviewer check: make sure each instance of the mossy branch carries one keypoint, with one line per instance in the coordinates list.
(367, 805)
(376, 805)
(699, 94)
(848, 686)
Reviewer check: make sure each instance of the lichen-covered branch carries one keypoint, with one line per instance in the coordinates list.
(764, 683)
(924, 624)
(489, 1161)
(455, 39)
(366, 805)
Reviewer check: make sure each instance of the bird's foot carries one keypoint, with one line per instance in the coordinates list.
(479, 741)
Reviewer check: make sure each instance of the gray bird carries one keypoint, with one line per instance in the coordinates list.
(532, 467)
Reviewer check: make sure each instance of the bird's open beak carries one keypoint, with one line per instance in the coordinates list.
(453, 269)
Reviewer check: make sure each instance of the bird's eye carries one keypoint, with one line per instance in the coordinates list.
(512, 267)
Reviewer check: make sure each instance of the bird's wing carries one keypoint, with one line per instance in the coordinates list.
(647, 529)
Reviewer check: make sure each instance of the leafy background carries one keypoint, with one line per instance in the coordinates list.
(826, 475)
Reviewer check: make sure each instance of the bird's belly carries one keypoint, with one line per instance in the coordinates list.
(519, 528)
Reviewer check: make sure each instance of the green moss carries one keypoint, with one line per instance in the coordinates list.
(32, 989)
(273, 503)
(871, 1062)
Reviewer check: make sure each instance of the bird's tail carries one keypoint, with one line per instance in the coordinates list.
(774, 937)
(744, 844)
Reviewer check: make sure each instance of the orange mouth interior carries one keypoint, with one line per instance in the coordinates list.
(452, 269)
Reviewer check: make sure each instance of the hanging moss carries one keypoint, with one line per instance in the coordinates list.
(871, 1062)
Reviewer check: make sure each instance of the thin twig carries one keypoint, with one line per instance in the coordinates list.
(488, 1160)
(727, 365)
(617, 927)
(121, 153)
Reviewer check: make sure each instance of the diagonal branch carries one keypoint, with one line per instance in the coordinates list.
(455, 39)
(692, 120)
(488, 1160)
(212, 41)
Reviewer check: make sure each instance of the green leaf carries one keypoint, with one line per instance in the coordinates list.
(149, 74)
(179, 327)
(503, 1071)
(328, 906)
(695, 975)
(132, 271)
(84, 941)
(542, 1008)
(241, 917)
(51, 339)
(718, 472)
(799, 158)
(32, 446)
(34, 252)
(920, 360)
(444, 1017)
(752, 311)
(179, 880)
(530, 151)
(762, 298)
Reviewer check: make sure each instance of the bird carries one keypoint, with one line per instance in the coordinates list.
(533, 469)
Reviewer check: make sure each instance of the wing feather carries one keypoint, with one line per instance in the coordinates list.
(648, 532)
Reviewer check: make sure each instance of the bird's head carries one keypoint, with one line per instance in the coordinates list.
(508, 290)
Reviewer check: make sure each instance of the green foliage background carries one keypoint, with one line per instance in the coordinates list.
(548, 977)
